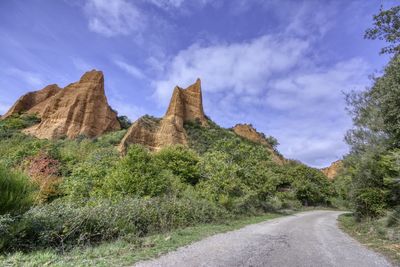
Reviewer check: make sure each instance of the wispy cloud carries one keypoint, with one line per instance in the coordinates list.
(130, 69)
(243, 68)
(31, 78)
(111, 18)
(277, 82)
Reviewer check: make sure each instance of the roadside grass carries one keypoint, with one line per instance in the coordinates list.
(374, 234)
(129, 250)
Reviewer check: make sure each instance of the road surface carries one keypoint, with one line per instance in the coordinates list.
(305, 239)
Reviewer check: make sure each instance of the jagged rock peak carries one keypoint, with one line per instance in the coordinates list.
(187, 104)
(81, 108)
(92, 76)
(333, 169)
(31, 99)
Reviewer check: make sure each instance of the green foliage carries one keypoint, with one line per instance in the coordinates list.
(343, 189)
(370, 202)
(375, 138)
(124, 121)
(201, 139)
(221, 182)
(386, 27)
(64, 225)
(272, 141)
(17, 192)
(137, 174)
(16, 122)
(181, 161)
(310, 185)
(87, 177)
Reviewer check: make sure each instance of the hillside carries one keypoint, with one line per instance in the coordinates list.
(65, 189)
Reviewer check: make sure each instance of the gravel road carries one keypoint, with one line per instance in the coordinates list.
(305, 239)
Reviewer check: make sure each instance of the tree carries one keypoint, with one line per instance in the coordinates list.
(124, 121)
(386, 27)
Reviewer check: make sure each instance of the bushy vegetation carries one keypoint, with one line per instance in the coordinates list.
(16, 191)
(103, 196)
(372, 166)
(63, 225)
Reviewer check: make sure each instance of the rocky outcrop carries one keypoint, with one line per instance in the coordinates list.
(333, 169)
(28, 101)
(250, 133)
(81, 108)
(185, 105)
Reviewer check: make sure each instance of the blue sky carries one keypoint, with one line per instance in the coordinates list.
(281, 65)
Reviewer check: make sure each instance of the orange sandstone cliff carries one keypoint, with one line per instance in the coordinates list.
(185, 105)
(333, 169)
(249, 132)
(81, 108)
(26, 102)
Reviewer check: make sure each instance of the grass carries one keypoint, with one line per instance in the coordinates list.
(373, 234)
(127, 251)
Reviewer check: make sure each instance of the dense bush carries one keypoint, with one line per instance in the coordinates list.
(64, 225)
(310, 185)
(16, 191)
(181, 161)
(16, 122)
(370, 202)
(87, 177)
(139, 174)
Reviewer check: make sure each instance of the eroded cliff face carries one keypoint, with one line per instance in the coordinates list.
(185, 105)
(81, 108)
(249, 132)
(333, 169)
(28, 101)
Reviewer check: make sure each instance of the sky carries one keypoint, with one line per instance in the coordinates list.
(283, 66)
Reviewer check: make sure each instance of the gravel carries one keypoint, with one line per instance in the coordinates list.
(305, 239)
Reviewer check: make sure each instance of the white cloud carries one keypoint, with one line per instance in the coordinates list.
(31, 78)
(276, 84)
(316, 85)
(240, 67)
(130, 69)
(167, 4)
(116, 17)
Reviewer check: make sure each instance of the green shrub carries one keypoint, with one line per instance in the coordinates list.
(124, 121)
(16, 191)
(181, 161)
(370, 202)
(87, 177)
(310, 185)
(137, 174)
(220, 182)
(394, 218)
(16, 122)
(63, 225)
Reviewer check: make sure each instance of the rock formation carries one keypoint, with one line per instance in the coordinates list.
(185, 105)
(32, 99)
(333, 169)
(81, 108)
(249, 132)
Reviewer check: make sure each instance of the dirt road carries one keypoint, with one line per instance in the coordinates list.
(305, 239)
